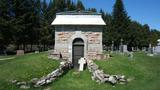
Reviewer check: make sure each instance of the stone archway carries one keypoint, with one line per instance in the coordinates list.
(77, 51)
(77, 35)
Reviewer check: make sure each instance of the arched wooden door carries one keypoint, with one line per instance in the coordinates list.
(77, 51)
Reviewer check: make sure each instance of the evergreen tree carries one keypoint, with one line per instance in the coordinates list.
(134, 34)
(92, 9)
(80, 5)
(120, 21)
(5, 23)
(145, 32)
(22, 21)
(48, 15)
(70, 6)
(28, 22)
(154, 36)
(73, 6)
(35, 20)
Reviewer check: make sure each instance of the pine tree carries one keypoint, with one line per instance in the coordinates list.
(35, 20)
(47, 16)
(73, 7)
(5, 23)
(92, 9)
(120, 21)
(154, 36)
(80, 5)
(22, 21)
(70, 6)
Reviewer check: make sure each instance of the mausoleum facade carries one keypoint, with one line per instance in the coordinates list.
(78, 34)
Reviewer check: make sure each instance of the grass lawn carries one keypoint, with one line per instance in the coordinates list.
(24, 68)
(144, 70)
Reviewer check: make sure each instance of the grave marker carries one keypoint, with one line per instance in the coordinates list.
(81, 63)
(20, 52)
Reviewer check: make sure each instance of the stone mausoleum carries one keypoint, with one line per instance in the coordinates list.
(78, 34)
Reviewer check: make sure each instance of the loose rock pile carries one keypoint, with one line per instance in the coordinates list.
(97, 75)
(101, 77)
(35, 82)
(21, 85)
(64, 67)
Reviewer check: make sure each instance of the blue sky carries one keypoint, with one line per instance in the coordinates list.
(143, 11)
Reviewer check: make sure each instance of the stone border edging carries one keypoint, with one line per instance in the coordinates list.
(101, 77)
(35, 82)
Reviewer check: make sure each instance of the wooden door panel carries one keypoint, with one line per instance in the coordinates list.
(78, 52)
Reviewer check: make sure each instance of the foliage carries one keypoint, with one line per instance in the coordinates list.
(120, 22)
(80, 5)
(28, 22)
(120, 26)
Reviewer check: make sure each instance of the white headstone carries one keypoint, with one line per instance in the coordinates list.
(125, 48)
(157, 48)
(81, 63)
(36, 52)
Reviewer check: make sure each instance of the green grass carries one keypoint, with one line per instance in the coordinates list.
(144, 70)
(2, 57)
(24, 68)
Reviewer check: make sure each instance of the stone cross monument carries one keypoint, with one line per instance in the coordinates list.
(121, 46)
(81, 63)
(112, 47)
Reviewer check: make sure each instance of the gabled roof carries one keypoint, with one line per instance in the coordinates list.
(78, 18)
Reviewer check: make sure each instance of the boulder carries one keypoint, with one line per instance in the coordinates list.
(48, 81)
(14, 81)
(21, 83)
(112, 80)
(24, 87)
(34, 80)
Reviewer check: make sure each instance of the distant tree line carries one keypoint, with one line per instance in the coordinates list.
(121, 26)
(28, 22)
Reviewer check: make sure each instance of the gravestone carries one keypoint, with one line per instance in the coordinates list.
(108, 56)
(144, 49)
(81, 63)
(125, 48)
(150, 50)
(132, 48)
(112, 47)
(36, 52)
(20, 52)
(121, 46)
(157, 48)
